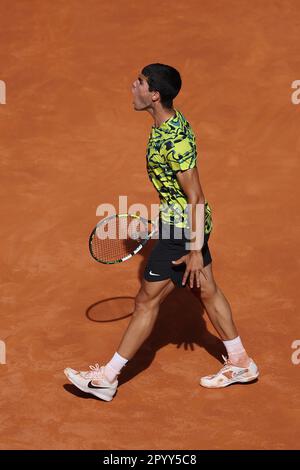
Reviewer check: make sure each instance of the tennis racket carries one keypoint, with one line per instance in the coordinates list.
(118, 237)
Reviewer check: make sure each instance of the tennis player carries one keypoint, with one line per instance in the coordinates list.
(172, 168)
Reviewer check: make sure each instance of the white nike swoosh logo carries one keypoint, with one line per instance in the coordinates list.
(153, 274)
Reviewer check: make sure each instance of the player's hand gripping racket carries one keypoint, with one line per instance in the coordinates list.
(118, 237)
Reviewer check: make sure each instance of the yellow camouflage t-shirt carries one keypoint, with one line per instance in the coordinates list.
(172, 148)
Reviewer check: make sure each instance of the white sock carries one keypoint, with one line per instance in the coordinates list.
(114, 367)
(235, 349)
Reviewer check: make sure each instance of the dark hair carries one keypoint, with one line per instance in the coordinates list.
(165, 79)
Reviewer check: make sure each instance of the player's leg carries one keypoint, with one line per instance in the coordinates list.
(239, 367)
(102, 381)
(147, 302)
(216, 305)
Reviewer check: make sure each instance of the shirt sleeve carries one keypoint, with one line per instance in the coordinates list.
(181, 153)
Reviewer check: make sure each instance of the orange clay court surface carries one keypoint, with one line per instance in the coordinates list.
(70, 140)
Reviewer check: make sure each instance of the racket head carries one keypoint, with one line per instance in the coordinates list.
(118, 237)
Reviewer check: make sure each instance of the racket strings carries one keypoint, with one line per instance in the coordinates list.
(117, 238)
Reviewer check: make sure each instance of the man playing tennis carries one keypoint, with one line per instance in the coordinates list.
(171, 165)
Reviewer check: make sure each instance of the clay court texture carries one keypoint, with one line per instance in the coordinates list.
(70, 140)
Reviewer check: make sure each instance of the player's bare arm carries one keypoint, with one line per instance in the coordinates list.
(190, 183)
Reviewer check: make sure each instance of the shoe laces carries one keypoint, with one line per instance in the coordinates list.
(226, 366)
(95, 372)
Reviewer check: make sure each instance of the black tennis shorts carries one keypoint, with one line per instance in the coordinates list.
(159, 266)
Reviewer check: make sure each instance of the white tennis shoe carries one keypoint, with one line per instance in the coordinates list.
(93, 382)
(230, 374)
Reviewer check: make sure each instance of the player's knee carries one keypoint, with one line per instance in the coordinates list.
(145, 312)
(145, 304)
(208, 290)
